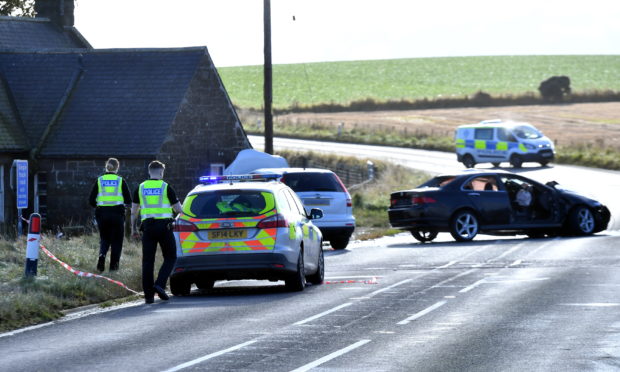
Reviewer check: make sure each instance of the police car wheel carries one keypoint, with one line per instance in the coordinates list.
(516, 161)
(468, 161)
(424, 235)
(319, 275)
(297, 281)
(180, 287)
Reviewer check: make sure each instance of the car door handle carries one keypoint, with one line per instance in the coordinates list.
(473, 194)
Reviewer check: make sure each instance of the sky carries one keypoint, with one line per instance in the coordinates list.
(347, 30)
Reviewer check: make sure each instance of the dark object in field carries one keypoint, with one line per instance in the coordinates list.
(554, 88)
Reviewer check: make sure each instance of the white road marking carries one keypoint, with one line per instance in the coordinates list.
(517, 262)
(518, 246)
(595, 304)
(209, 356)
(447, 265)
(331, 356)
(323, 314)
(469, 288)
(372, 294)
(422, 313)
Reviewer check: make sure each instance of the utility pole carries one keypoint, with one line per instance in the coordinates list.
(267, 89)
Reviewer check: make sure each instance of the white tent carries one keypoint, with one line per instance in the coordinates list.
(249, 159)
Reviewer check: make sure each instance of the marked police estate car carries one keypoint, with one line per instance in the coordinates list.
(496, 141)
(245, 227)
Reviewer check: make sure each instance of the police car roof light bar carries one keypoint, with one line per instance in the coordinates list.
(240, 178)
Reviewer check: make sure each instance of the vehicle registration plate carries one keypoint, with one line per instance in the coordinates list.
(228, 234)
(316, 201)
(546, 154)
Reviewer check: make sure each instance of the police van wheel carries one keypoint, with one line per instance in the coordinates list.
(516, 161)
(496, 165)
(180, 287)
(544, 163)
(468, 161)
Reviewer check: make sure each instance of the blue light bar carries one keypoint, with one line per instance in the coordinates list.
(240, 178)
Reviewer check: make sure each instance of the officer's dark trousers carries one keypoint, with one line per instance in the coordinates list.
(111, 224)
(157, 231)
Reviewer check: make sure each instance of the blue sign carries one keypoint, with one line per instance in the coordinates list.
(22, 183)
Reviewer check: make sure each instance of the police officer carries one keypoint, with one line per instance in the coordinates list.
(109, 195)
(157, 201)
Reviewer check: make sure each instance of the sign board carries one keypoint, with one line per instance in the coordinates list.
(21, 170)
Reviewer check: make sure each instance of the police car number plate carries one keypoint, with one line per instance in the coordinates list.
(228, 234)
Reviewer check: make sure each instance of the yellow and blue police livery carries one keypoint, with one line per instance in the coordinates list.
(496, 141)
(246, 227)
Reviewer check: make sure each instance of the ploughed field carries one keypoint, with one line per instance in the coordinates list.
(592, 124)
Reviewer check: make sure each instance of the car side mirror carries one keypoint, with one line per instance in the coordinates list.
(316, 213)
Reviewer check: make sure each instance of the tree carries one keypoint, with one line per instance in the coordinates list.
(20, 8)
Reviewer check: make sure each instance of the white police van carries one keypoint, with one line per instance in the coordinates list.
(496, 141)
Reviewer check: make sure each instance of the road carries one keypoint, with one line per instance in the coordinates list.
(509, 304)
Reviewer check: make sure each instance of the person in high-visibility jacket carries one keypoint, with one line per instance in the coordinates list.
(110, 196)
(155, 202)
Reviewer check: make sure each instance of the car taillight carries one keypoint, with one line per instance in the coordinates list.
(422, 200)
(393, 202)
(184, 226)
(272, 222)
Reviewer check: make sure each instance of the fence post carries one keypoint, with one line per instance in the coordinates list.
(32, 247)
(371, 170)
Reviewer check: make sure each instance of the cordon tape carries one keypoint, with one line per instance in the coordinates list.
(85, 274)
(370, 281)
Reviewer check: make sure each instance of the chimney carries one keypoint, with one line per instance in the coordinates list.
(60, 12)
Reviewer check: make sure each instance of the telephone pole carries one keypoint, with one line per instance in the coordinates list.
(267, 89)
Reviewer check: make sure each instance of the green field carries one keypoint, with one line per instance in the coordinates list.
(414, 79)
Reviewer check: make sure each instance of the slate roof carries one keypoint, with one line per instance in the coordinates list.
(120, 101)
(37, 34)
(12, 136)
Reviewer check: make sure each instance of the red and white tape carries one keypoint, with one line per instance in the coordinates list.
(373, 280)
(84, 274)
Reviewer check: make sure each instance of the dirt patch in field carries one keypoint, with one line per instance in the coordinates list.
(596, 124)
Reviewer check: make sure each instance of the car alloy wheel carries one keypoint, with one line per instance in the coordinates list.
(464, 226)
(319, 275)
(585, 220)
(297, 281)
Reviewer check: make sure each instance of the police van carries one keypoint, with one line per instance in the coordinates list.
(497, 141)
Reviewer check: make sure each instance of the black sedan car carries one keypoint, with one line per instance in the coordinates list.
(493, 202)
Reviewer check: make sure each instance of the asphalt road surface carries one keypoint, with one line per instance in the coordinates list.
(393, 304)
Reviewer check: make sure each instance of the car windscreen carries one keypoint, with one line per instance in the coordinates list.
(308, 181)
(228, 203)
(526, 132)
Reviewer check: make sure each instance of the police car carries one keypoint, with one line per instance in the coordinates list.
(496, 141)
(246, 227)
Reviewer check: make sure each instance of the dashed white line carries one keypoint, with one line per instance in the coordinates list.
(209, 356)
(469, 288)
(331, 356)
(423, 312)
(323, 314)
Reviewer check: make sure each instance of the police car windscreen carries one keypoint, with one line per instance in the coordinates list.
(228, 204)
(301, 182)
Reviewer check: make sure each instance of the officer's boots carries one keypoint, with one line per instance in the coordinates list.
(101, 263)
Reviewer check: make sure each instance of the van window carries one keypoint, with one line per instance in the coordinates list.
(504, 135)
(526, 132)
(483, 134)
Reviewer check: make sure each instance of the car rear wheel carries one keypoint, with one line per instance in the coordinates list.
(581, 221)
(180, 287)
(424, 235)
(464, 226)
(205, 284)
(516, 161)
(317, 278)
(468, 161)
(297, 281)
(339, 243)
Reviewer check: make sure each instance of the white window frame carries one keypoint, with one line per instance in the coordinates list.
(217, 169)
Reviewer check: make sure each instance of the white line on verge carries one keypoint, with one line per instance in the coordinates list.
(331, 356)
(422, 313)
(323, 313)
(209, 356)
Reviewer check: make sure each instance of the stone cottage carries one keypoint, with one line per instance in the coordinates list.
(67, 107)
